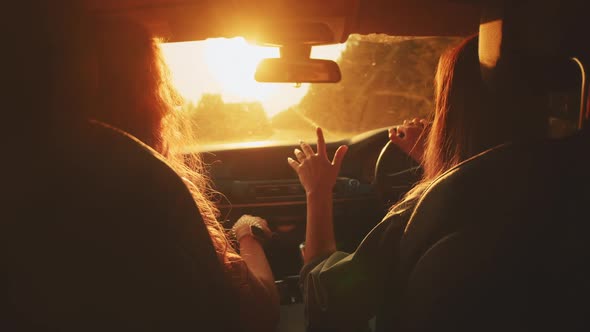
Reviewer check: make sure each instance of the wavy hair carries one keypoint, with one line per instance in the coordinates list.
(135, 94)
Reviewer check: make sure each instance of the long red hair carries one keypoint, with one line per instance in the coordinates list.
(460, 127)
(135, 94)
(467, 121)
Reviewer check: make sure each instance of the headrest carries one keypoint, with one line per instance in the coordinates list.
(528, 31)
(523, 46)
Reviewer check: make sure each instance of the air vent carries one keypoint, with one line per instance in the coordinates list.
(287, 190)
(283, 190)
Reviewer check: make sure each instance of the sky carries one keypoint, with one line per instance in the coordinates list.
(226, 66)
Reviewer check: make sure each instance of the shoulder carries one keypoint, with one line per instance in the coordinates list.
(103, 170)
(120, 159)
(109, 140)
(482, 192)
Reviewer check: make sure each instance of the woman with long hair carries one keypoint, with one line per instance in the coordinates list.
(135, 94)
(342, 291)
(460, 127)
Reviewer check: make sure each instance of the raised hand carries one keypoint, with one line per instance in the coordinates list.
(316, 172)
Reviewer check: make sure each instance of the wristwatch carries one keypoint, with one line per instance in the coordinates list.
(253, 226)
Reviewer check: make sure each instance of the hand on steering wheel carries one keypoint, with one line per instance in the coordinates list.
(410, 137)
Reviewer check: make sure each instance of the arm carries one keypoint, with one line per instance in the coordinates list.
(254, 257)
(341, 291)
(259, 296)
(344, 290)
(318, 176)
(260, 304)
(319, 234)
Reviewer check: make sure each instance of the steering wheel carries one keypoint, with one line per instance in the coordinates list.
(395, 174)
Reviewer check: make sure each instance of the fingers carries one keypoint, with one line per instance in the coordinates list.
(294, 165)
(415, 122)
(321, 142)
(307, 150)
(339, 156)
(299, 155)
(392, 133)
(408, 128)
(397, 133)
(400, 132)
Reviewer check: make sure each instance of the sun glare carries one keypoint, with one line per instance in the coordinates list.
(233, 62)
(226, 67)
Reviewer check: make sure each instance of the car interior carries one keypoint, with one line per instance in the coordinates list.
(522, 266)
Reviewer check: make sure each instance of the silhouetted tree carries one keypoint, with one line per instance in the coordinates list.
(215, 121)
(384, 81)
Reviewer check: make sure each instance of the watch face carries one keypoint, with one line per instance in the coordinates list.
(258, 233)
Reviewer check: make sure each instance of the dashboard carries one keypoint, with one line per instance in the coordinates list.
(259, 181)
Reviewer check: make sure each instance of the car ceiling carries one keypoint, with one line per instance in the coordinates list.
(282, 22)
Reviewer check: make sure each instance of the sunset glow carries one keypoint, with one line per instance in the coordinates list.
(226, 67)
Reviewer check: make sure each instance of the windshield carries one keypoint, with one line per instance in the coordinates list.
(385, 80)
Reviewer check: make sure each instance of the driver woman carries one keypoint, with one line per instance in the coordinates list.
(343, 291)
(135, 95)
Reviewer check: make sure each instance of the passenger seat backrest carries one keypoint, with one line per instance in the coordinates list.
(501, 243)
(523, 46)
(109, 238)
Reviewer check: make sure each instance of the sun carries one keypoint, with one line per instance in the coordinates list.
(233, 62)
(227, 66)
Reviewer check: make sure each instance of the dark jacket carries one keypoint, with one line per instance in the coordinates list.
(343, 291)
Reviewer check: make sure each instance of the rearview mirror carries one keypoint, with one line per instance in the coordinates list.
(289, 70)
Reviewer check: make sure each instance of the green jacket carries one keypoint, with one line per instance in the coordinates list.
(342, 291)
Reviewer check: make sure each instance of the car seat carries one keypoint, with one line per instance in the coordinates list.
(108, 238)
(500, 241)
